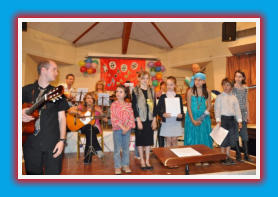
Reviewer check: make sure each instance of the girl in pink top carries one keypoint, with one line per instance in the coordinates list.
(122, 119)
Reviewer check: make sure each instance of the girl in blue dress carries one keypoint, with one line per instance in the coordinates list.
(197, 120)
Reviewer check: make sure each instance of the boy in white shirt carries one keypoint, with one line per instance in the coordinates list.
(228, 114)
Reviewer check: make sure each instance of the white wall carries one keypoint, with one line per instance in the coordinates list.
(42, 45)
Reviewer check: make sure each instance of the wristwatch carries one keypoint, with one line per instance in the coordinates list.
(63, 140)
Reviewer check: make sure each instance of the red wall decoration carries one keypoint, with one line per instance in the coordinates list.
(117, 71)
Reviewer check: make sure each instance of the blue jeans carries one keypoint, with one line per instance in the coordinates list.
(121, 142)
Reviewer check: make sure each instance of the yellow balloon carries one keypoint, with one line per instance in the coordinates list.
(81, 63)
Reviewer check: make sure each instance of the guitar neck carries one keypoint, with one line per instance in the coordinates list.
(35, 106)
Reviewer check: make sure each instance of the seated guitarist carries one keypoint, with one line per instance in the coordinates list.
(43, 149)
(90, 130)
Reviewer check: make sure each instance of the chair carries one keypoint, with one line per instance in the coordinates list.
(80, 135)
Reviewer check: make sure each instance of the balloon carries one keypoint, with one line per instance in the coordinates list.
(94, 65)
(153, 73)
(162, 68)
(155, 83)
(88, 65)
(187, 81)
(157, 89)
(81, 63)
(158, 75)
(158, 63)
(150, 64)
(157, 69)
(83, 69)
(152, 70)
(88, 60)
(94, 70)
(95, 61)
(90, 70)
(153, 78)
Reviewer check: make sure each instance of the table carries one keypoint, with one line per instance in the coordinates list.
(170, 159)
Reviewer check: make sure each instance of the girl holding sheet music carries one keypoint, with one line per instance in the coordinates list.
(171, 126)
(197, 120)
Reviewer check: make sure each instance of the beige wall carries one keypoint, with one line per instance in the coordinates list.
(42, 45)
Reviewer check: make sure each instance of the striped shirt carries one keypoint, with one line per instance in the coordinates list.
(122, 114)
(241, 94)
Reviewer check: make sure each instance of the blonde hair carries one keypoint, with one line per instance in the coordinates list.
(143, 73)
(100, 82)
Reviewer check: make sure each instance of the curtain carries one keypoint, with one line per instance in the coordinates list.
(247, 64)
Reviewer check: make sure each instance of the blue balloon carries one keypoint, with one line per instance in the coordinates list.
(157, 69)
(88, 60)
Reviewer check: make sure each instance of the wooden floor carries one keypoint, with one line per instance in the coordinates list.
(105, 166)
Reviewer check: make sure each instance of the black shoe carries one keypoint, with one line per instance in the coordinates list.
(229, 162)
(247, 158)
(239, 159)
(143, 167)
(149, 167)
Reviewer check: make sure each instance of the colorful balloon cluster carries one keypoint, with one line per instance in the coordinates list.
(156, 70)
(88, 65)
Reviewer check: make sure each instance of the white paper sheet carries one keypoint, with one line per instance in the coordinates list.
(218, 134)
(185, 152)
(173, 106)
(81, 93)
(103, 99)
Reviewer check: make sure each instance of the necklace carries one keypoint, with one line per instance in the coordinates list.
(198, 104)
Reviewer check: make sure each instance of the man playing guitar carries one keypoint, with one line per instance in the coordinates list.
(43, 149)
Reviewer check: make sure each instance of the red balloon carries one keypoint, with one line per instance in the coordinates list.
(158, 63)
(94, 70)
(83, 69)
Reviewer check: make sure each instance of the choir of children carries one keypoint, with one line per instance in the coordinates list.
(231, 112)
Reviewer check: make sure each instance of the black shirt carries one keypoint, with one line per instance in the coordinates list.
(49, 133)
(161, 108)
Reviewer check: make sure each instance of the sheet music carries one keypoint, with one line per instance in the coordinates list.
(185, 152)
(82, 92)
(218, 134)
(173, 106)
(103, 99)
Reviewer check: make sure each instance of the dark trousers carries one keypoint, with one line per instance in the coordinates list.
(38, 162)
(160, 138)
(91, 137)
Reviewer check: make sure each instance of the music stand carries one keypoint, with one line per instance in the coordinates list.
(91, 149)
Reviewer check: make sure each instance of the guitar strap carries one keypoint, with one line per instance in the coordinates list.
(37, 123)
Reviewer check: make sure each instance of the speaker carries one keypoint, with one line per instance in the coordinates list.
(24, 26)
(228, 31)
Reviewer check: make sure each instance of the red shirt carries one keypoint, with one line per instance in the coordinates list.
(122, 114)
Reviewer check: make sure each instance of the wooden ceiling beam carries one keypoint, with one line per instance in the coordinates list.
(125, 36)
(162, 35)
(85, 32)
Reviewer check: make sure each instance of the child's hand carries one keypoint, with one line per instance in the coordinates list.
(196, 123)
(167, 115)
(139, 125)
(125, 130)
(179, 116)
(239, 125)
(154, 124)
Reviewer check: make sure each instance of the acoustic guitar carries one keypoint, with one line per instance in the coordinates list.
(76, 122)
(53, 95)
